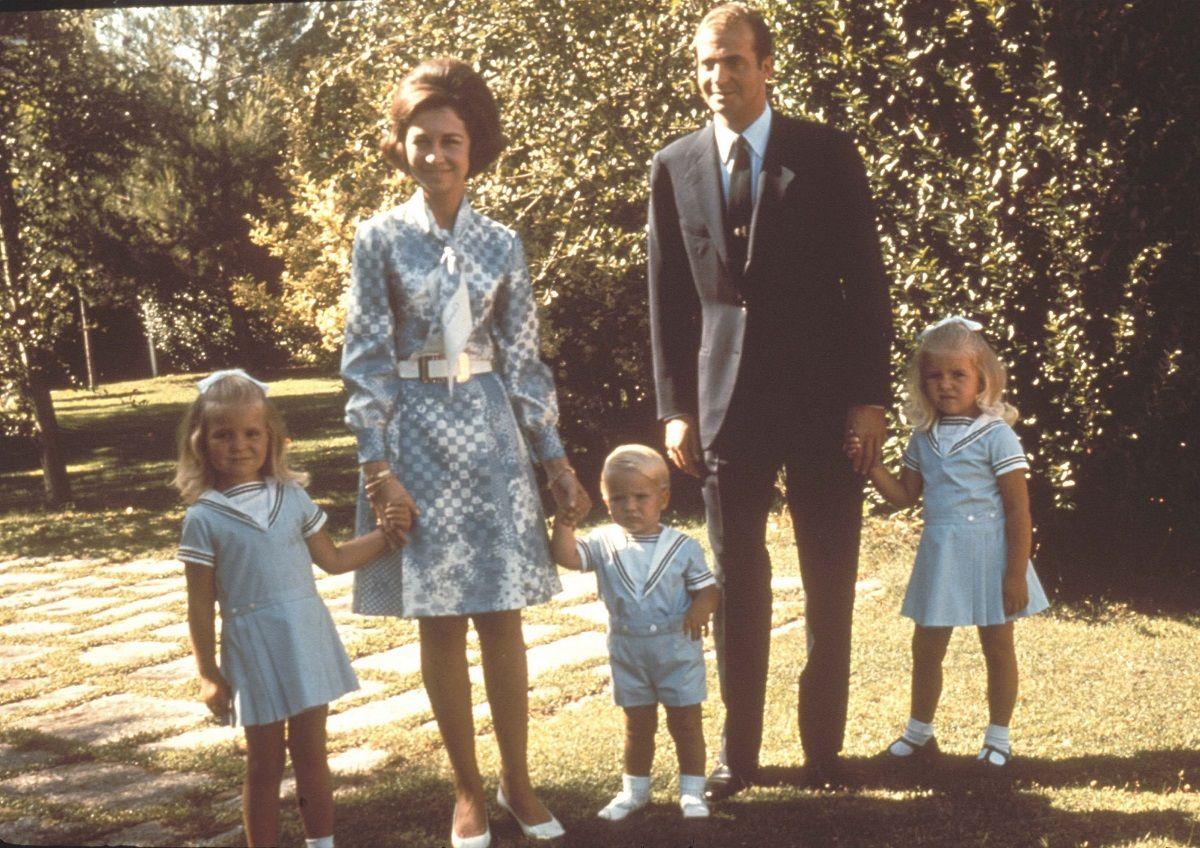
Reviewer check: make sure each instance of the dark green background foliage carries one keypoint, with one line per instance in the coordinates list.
(1034, 165)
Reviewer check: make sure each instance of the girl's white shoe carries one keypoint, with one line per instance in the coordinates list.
(545, 831)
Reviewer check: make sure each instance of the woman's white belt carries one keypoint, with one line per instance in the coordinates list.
(428, 367)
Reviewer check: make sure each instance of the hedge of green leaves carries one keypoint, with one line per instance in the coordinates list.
(1032, 164)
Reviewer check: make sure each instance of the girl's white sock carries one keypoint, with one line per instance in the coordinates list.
(319, 842)
(916, 733)
(634, 794)
(691, 796)
(997, 737)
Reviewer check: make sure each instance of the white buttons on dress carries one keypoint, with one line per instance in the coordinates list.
(653, 628)
(970, 518)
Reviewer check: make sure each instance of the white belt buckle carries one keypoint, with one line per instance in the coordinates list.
(464, 368)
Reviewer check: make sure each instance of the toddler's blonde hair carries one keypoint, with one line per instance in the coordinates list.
(645, 461)
(956, 338)
(194, 472)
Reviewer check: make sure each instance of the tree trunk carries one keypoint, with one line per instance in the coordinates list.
(29, 377)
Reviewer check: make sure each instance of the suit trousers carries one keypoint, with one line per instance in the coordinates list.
(824, 498)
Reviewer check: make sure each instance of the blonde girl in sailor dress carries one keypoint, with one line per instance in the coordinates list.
(659, 593)
(972, 565)
(249, 540)
(451, 406)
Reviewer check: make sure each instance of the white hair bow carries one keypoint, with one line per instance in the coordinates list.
(973, 326)
(216, 376)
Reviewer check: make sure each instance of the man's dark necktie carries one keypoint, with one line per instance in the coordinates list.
(741, 207)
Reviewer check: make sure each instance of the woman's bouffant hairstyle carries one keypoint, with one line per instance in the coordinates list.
(451, 83)
(645, 461)
(195, 473)
(956, 338)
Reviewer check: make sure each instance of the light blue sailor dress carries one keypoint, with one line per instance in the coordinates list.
(280, 650)
(958, 575)
(646, 583)
(465, 455)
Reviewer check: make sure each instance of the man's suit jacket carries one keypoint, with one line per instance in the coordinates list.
(809, 314)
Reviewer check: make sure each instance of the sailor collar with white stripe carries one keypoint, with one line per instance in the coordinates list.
(976, 427)
(222, 502)
(416, 211)
(669, 542)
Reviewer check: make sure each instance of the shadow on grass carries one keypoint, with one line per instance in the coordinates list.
(966, 813)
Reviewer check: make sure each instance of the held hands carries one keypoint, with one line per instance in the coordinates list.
(863, 442)
(1016, 592)
(395, 510)
(571, 501)
(683, 446)
(216, 695)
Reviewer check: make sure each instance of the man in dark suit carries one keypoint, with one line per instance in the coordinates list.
(771, 329)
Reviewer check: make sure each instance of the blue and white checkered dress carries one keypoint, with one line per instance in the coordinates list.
(479, 543)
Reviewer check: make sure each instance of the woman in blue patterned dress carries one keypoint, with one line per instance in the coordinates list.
(451, 406)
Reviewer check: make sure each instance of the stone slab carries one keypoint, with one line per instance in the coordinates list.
(150, 833)
(36, 830)
(580, 648)
(577, 586)
(357, 760)
(235, 837)
(12, 654)
(178, 630)
(201, 737)
(157, 586)
(56, 697)
(405, 659)
(72, 604)
(127, 652)
(35, 628)
(90, 581)
(333, 584)
(32, 596)
(376, 713)
(150, 567)
(179, 670)
(595, 612)
(141, 621)
(116, 717)
(24, 760)
(25, 579)
(107, 785)
(12, 685)
(74, 564)
(156, 604)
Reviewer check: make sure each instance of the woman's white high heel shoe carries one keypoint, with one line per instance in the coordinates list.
(544, 831)
(482, 840)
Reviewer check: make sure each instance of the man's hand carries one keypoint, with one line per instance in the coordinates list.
(866, 427)
(683, 446)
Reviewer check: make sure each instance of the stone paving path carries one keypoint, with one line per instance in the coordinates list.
(98, 710)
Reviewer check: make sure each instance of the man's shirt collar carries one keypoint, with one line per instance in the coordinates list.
(756, 135)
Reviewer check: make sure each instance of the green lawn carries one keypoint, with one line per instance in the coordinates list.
(1106, 732)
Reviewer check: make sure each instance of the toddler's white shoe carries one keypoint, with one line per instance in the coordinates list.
(622, 805)
(693, 807)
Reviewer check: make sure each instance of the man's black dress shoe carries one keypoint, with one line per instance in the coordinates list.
(722, 784)
(824, 773)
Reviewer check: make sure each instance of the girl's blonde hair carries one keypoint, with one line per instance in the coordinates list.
(194, 473)
(956, 338)
(645, 461)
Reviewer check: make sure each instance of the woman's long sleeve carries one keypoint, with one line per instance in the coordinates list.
(369, 350)
(529, 381)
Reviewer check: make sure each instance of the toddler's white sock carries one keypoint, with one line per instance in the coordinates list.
(319, 842)
(634, 794)
(691, 796)
(916, 733)
(997, 737)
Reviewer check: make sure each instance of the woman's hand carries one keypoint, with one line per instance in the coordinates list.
(395, 510)
(216, 695)
(571, 500)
